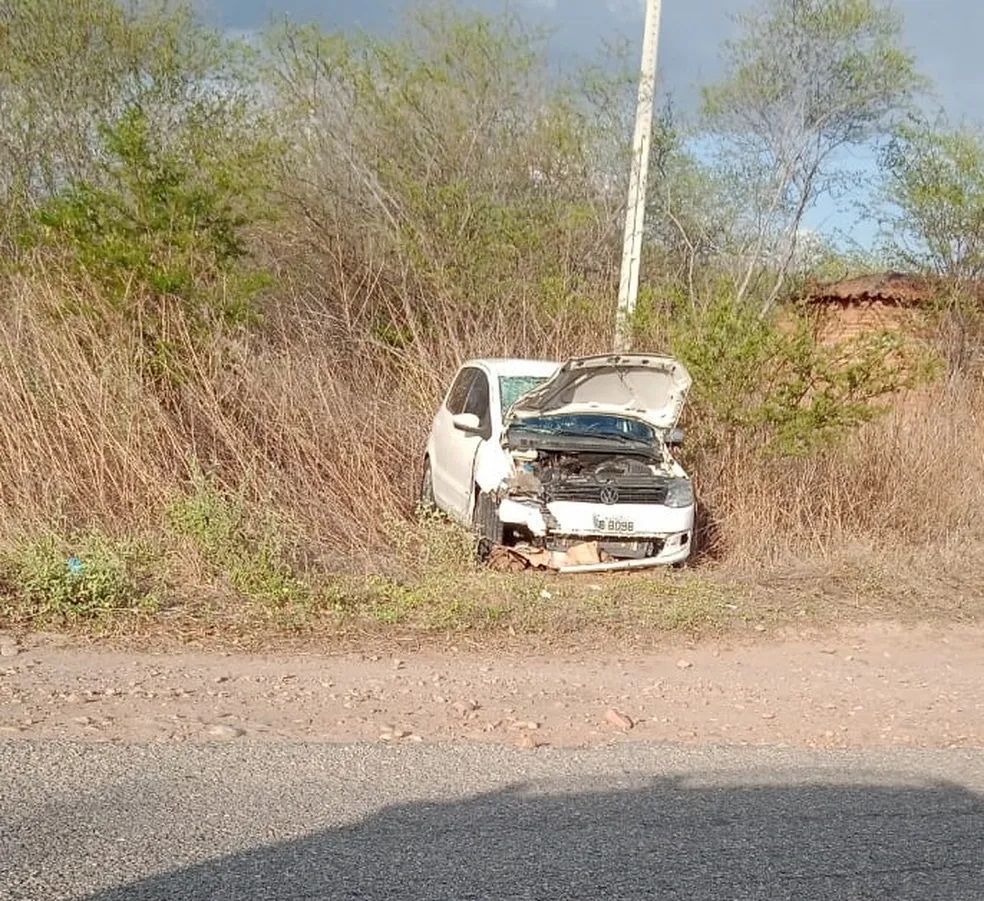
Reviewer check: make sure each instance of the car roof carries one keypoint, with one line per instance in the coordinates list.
(507, 367)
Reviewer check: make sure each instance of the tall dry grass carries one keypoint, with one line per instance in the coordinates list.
(912, 480)
(312, 418)
(320, 424)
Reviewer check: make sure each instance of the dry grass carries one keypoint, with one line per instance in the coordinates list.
(296, 466)
(912, 480)
(316, 417)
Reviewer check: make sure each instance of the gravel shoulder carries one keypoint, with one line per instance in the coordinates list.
(879, 686)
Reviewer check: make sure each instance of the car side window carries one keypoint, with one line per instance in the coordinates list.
(478, 402)
(458, 395)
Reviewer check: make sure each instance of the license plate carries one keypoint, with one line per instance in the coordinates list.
(615, 526)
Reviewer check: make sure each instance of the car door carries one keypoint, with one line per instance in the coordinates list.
(459, 448)
(445, 445)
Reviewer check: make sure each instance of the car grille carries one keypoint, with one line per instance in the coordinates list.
(592, 493)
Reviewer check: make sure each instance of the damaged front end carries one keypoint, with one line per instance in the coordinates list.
(592, 503)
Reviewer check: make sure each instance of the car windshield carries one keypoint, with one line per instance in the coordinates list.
(513, 387)
(590, 425)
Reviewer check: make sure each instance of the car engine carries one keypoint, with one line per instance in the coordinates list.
(589, 477)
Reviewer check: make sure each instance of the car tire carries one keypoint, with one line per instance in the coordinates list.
(486, 525)
(426, 499)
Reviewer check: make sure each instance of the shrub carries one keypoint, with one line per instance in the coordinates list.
(51, 578)
(253, 558)
(769, 380)
(157, 242)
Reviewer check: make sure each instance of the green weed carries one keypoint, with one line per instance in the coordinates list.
(252, 556)
(49, 579)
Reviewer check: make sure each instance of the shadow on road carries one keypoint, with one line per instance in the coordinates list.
(665, 840)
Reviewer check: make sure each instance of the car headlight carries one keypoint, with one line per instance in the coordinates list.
(680, 493)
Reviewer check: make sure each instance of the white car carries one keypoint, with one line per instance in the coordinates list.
(535, 454)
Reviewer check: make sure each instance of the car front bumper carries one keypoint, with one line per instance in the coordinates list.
(675, 550)
(668, 528)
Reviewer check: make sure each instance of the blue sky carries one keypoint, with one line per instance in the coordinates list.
(943, 34)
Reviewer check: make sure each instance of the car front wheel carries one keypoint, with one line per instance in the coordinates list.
(486, 524)
(427, 488)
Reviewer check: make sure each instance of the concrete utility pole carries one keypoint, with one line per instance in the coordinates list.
(635, 213)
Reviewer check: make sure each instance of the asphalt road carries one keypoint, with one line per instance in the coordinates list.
(291, 821)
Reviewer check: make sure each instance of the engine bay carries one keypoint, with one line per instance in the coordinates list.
(590, 477)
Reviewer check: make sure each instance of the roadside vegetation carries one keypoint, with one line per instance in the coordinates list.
(236, 278)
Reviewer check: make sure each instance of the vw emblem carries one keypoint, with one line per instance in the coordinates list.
(608, 494)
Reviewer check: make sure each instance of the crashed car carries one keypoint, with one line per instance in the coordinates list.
(567, 465)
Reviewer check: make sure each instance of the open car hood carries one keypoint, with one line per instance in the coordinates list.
(648, 387)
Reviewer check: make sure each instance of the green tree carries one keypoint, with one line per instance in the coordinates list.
(805, 80)
(755, 378)
(934, 189)
(453, 159)
(69, 67)
(134, 157)
(692, 217)
(155, 243)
